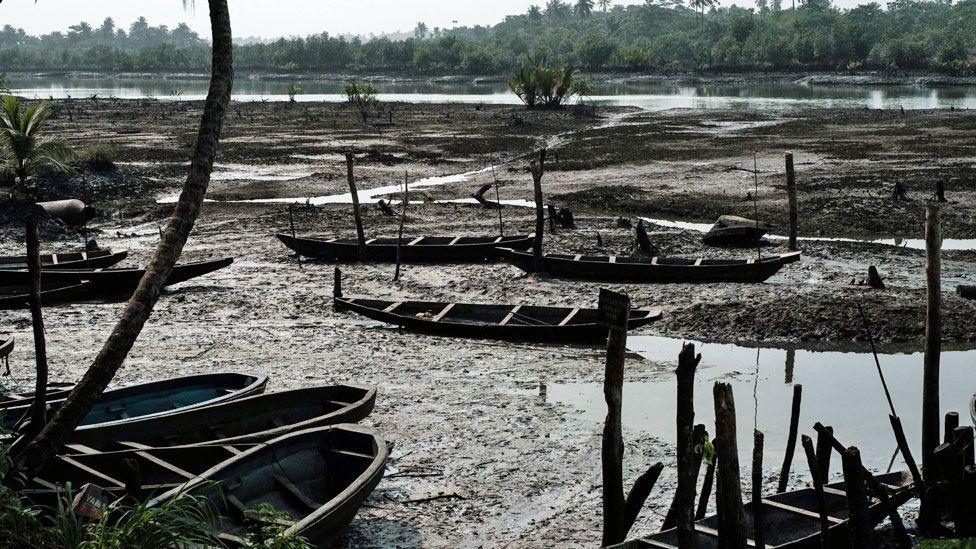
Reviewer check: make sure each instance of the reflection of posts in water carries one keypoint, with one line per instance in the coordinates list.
(790, 363)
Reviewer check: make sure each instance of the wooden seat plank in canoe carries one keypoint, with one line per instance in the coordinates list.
(511, 314)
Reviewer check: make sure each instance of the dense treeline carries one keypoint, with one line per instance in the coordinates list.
(650, 37)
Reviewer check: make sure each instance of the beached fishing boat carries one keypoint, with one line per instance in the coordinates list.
(111, 282)
(732, 230)
(415, 249)
(55, 391)
(253, 419)
(791, 520)
(91, 259)
(654, 269)
(156, 398)
(318, 478)
(511, 322)
(52, 293)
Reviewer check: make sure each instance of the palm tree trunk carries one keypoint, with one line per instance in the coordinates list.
(39, 407)
(36, 453)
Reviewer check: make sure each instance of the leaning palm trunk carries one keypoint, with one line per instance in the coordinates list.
(34, 454)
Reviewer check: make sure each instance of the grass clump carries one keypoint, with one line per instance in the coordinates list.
(99, 157)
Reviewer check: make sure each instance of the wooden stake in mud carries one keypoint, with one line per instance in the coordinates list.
(684, 497)
(951, 422)
(757, 481)
(859, 515)
(706, 488)
(360, 234)
(537, 169)
(818, 482)
(699, 435)
(928, 519)
(784, 474)
(552, 218)
(403, 217)
(501, 226)
(291, 222)
(905, 450)
(791, 195)
(614, 314)
(824, 449)
(39, 407)
(732, 518)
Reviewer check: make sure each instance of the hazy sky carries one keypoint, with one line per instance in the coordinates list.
(279, 18)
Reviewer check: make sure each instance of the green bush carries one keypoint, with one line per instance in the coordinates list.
(543, 87)
(99, 157)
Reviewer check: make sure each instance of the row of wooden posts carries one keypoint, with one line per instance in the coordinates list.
(946, 489)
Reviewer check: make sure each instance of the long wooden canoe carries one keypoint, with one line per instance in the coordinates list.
(140, 472)
(55, 391)
(91, 259)
(248, 420)
(318, 478)
(109, 282)
(52, 293)
(157, 398)
(511, 322)
(413, 249)
(790, 519)
(653, 269)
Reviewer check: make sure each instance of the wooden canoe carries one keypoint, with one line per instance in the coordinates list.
(91, 259)
(253, 419)
(732, 230)
(413, 249)
(157, 398)
(55, 391)
(654, 269)
(52, 293)
(155, 471)
(111, 282)
(318, 478)
(511, 322)
(790, 519)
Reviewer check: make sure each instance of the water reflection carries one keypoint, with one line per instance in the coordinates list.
(840, 388)
(652, 96)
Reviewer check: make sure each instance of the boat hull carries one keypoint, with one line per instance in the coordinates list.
(52, 293)
(92, 259)
(642, 270)
(436, 249)
(465, 322)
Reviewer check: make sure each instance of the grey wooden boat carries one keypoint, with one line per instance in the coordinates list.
(55, 391)
(318, 478)
(89, 259)
(157, 398)
(52, 293)
(790, 519)
(442, 249)
(113, 282)
(248, 420)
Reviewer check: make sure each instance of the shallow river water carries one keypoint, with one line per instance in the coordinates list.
(647, 96)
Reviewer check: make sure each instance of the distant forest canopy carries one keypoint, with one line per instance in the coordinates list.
(656, 36)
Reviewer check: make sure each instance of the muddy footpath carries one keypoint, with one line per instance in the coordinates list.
(482, 457)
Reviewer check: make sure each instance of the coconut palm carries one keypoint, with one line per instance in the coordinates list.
(35, 453)
(24, 152)
(420, 31)
(604, 4)
(557, 10)
(583, 8)
(702, 5)
(534, 13)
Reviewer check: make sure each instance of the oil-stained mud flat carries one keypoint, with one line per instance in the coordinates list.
(484, 454)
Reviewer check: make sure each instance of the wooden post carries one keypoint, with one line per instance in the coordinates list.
(928, 521)
(638, 496)
(818, 491)
(968, 528)
(552, 217)
(732, 518)
(706, 488)
(859, 515)
(790, 365)
(903, 447)
(699, 436)
(403, 217)
(360, 234)
(951, 422)
(784, 475)
(791, 195)
(684, 497)
(614, 313)
(501, 226)
(538, 169)
(757, 481)
(39, 406)
(963, 438)
(644, 243)
(823, 452)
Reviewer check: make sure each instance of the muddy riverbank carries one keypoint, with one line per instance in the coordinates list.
(483, 456)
